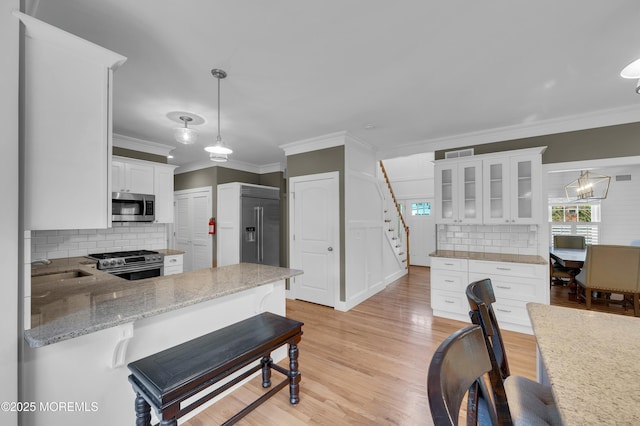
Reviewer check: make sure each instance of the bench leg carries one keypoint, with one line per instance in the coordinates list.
(294, 375)
(169, 422)
(143, 411)
(266, 371)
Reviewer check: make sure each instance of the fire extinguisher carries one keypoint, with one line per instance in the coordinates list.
(212, 226)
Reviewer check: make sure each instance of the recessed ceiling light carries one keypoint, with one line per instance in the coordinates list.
(369, 126)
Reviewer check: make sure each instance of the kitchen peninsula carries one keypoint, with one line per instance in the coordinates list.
(88, 325)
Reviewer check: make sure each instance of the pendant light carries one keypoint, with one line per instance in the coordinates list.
(588, 187)
(219, 151)
(185, 135)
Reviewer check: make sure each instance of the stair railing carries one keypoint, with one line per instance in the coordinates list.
(397, 207)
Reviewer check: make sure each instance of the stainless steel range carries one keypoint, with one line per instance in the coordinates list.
(131, 265)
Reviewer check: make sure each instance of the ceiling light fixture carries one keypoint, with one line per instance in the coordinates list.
(219, 151)
(184, 134)
(589, 186)
(632, 71)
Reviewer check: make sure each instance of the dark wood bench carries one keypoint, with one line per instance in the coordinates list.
(166, 379)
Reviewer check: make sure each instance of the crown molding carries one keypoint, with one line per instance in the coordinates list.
(573, 123)
(141, 145)
(314, 144)
(231, 164)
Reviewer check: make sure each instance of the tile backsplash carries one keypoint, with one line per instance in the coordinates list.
(81, 242)
(507, 239)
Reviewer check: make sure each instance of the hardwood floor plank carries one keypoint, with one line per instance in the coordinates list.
(368, 366)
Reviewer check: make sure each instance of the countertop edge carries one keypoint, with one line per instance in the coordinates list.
(490, 257)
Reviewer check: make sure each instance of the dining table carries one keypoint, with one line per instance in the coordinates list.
(568, 257)
(593, 370)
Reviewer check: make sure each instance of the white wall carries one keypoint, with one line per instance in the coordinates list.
(368, 267)
(10, 334)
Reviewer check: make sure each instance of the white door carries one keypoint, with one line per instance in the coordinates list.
(191, 227)
(315, 237)
(418, 214)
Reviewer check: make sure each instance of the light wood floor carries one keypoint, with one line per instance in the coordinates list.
(367, 366)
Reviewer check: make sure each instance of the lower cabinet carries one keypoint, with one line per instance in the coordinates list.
(173, 264)
(514, 285)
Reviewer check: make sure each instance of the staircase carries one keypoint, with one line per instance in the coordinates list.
(396, 229)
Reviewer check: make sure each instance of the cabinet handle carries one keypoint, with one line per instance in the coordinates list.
(173, 260)
(448, 264)
(449, 281)
(504, 287)
(449, 301)
(504, 310)
(503, 269)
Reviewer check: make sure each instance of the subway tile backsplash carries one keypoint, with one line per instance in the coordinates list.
(81, 242)
(506, 239)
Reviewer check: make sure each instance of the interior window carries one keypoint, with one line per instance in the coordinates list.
(575, 219)
(421, 209)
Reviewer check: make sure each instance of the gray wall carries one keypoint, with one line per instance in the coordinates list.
(323, 161)
(590, 144)
(130, 153)
(214, 176)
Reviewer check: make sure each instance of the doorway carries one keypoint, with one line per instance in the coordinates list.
(314, 229)
(192, 210)
(417, 214)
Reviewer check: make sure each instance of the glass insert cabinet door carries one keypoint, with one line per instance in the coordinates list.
(459, 192)
(512, 190)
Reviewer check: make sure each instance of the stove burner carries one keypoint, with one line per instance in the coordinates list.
(120, 254)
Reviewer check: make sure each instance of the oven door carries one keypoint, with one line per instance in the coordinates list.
(132, 273)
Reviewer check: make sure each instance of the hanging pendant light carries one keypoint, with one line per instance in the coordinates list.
(184, 134)
(588, 187)
(219, 151)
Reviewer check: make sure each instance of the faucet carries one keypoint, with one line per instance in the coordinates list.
(41, 262)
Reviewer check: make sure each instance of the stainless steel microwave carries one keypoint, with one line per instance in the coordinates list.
(128, 207)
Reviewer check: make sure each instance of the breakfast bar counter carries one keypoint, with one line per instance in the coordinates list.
(99, 300)
(87, 325)
(590, 359)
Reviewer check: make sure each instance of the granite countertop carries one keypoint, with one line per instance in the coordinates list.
(170, 252)
(591, 359)
(96, 300)
(494, 257)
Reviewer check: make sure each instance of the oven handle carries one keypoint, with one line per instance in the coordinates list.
(134, 268)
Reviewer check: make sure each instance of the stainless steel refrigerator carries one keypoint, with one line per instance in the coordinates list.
(260, 225)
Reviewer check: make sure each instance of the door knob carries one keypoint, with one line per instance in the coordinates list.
(330, 249)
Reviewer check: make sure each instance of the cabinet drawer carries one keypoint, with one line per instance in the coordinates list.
(449, 301)
(172, 270)
(449, 264)
(514, 288)
(449, 280)
(511, 311)
(511, 269)
(173, 260)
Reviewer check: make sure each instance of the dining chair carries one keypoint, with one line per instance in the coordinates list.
(569, 241)
(559, 275)
(529, 402)
(458, 367)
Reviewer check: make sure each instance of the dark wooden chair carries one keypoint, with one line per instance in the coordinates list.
(527, 401)
(559, 275)
(458, 367)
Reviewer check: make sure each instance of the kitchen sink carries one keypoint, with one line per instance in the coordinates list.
(59, 276)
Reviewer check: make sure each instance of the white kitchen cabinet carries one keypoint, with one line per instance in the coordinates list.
(67, 129)
(458, 188)
(449, 280)
(514, 285)
(133, 176)
(173, 264)
(163, 190)
(512, 189)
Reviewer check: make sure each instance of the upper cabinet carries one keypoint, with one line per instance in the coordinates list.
(67, 129)
(132, 177)
(458, 188)
(512, 189)
(500, 188)
(146, 177)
